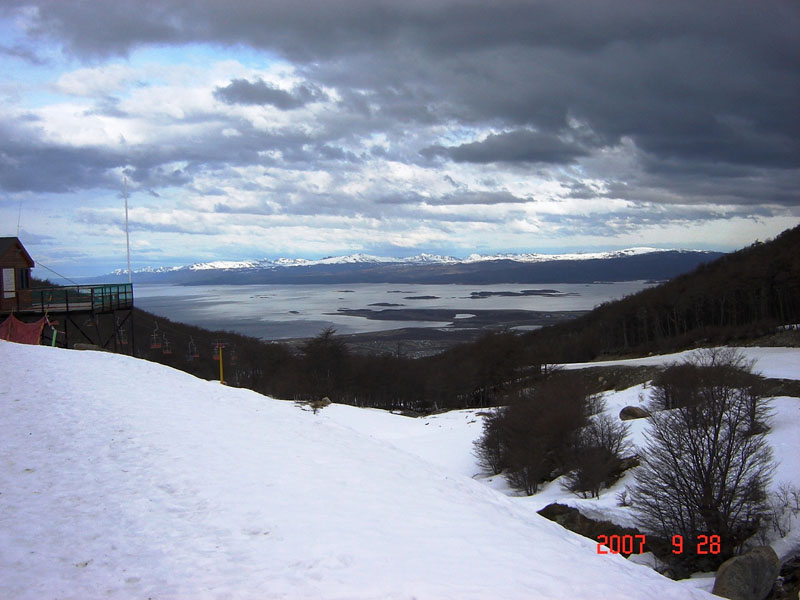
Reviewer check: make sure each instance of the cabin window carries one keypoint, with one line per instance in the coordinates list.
(24, 279)
(9, 287)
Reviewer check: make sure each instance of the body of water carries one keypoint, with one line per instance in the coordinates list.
(275, 312)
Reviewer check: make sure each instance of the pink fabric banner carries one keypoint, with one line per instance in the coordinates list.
(14, 330)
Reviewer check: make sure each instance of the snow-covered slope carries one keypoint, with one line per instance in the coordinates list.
(779, 363)
(121, 478)
(783, 438)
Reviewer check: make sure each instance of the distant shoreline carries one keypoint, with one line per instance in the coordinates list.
(479, 318)
(416, 342)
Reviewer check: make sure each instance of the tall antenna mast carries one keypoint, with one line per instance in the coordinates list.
(19, 215)
(127, 234)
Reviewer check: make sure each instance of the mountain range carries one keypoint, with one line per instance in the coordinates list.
(621, 265)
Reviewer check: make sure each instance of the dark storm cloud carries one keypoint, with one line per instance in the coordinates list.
(31, 164)
(466, 197)
(459, 197)
(526, 62)
(241, 91)
(514, 146)
(334, 153)
(21, 53)
(712, 184)
(635, 217)
(315, 29)
(705, 89)
(401, 199)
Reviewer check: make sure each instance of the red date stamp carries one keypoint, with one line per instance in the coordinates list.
(635, 544)
(620, 544)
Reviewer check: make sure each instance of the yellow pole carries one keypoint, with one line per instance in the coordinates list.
(221, 379)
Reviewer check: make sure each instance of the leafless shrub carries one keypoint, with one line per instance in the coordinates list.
(784, 504)
(533, 439)
(491, 447)
(597, 458)
(705, 466)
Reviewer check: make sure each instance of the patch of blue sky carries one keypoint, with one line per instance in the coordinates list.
(16, 45)
(26, 86)
(202, 55)
(10, 32)
(29, 72)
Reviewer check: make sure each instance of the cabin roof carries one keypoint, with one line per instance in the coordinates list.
(6, 243)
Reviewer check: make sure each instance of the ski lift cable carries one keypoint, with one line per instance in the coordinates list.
(39, 264)
(168, 329)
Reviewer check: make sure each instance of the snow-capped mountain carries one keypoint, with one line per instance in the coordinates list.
(529, 257)
(353, 259)
(619, 265)
(146, 270)
(424, 258)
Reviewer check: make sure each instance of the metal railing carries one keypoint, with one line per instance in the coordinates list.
(78, 298)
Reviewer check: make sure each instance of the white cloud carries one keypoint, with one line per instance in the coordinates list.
(97, 81)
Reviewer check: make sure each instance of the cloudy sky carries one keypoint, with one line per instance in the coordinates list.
(266, 128)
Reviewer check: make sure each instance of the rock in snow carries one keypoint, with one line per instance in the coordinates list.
(749, 576)
(121, 478)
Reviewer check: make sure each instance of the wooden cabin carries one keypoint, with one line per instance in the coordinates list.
(15, 275)
(96, 314)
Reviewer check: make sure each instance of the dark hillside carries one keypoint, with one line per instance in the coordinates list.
(738, 296)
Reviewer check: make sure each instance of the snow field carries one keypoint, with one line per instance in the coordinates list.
(121, 478)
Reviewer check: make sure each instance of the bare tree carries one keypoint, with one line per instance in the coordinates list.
(533, 438)
(598, 455)
(326, 362)
(704, 467)
(491, 447)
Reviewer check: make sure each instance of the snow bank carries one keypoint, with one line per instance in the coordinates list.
(780, 363)
(121, 478)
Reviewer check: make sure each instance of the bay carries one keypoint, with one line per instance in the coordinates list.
(275, 312)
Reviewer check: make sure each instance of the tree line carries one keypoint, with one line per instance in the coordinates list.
(739, 296)
(323, 366)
